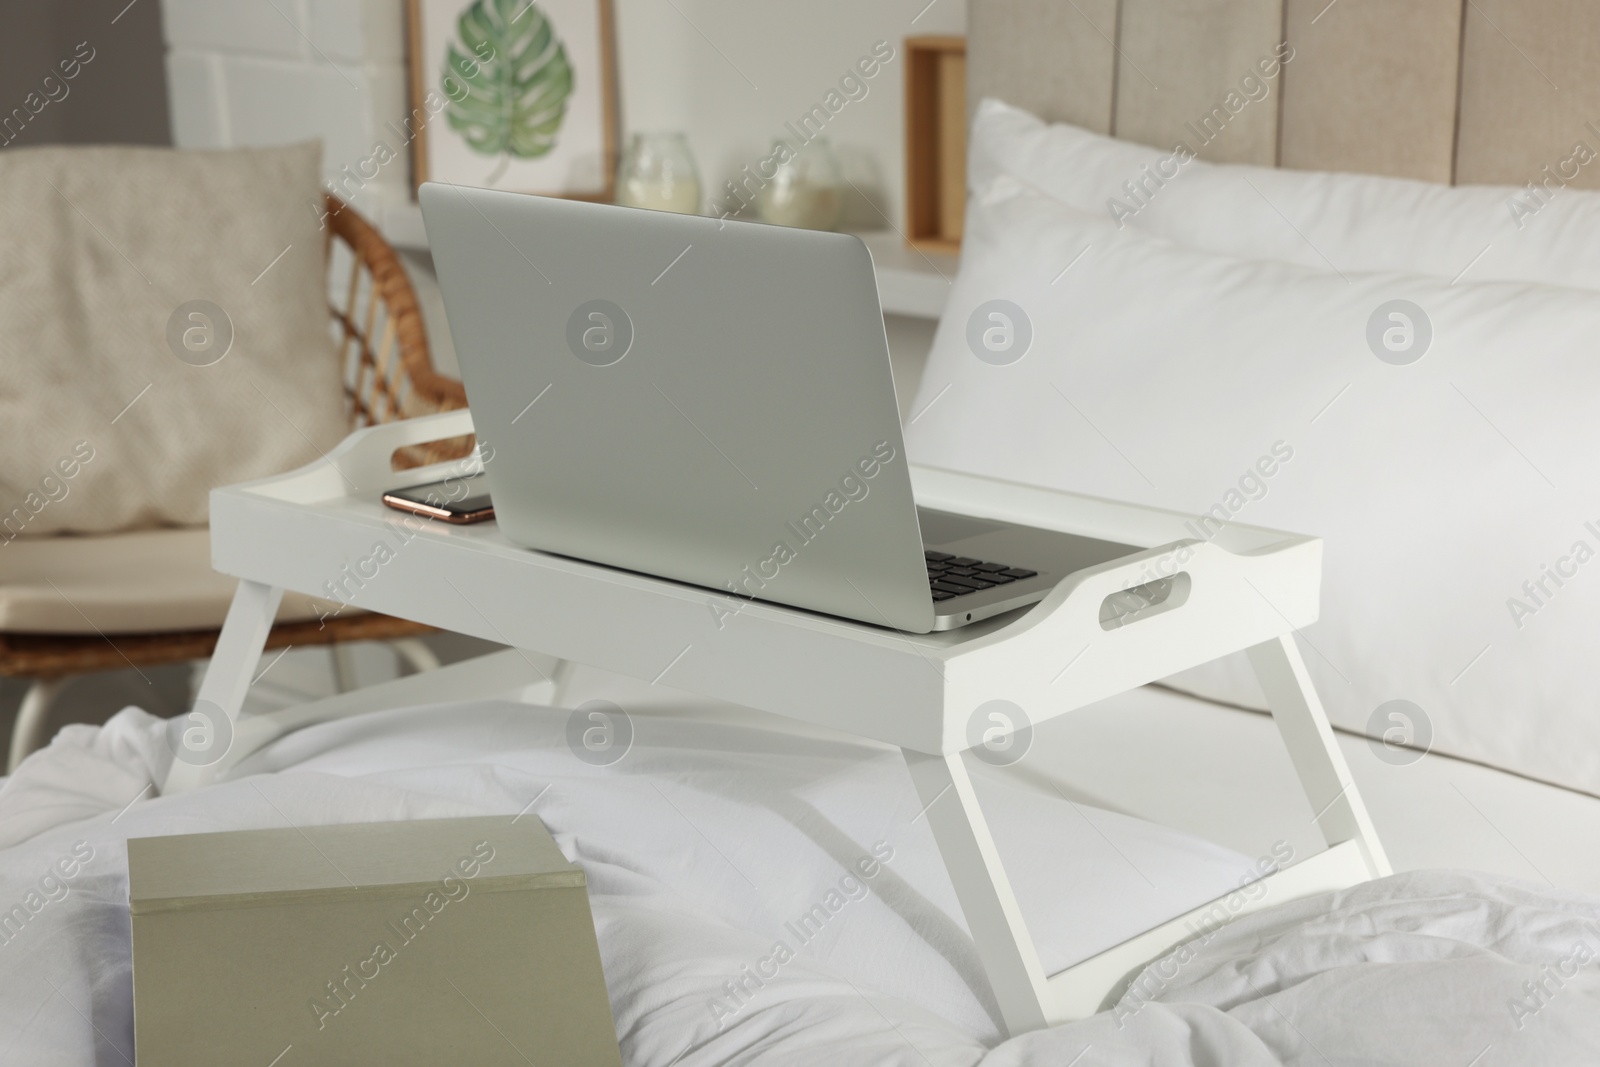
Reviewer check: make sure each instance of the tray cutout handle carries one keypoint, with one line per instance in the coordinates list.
(1127, 606)
(440, 450)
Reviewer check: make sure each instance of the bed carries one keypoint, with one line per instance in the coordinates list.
(724, 824)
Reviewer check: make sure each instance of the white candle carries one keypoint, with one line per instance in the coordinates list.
(661, 194)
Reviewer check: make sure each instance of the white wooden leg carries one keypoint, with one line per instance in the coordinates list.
(228, 677)
(1004, 947)
(33, 718)
(560, 682)
(244, 635)
(1028, 999)
(1340, 814)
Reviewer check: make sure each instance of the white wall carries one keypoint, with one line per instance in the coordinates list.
(246, 72)
(728, 72)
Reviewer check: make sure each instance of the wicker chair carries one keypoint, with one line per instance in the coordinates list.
(388, 375)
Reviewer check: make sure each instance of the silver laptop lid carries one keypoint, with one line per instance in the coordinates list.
(703, 400)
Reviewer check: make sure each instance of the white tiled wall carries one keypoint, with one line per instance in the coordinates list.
(728, 72)
(273, 71)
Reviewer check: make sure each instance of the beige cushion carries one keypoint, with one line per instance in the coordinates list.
(102, 426)
(142, 582)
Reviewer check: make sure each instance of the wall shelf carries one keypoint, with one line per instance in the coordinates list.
(910, 283)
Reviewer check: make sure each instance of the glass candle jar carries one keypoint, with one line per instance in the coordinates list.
(658, 172)
(806, 191)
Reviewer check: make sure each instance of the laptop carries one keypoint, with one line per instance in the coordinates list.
(710, 401)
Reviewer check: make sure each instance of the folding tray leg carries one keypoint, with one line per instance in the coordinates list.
(228, 677)
(1004, 947)
(1340, 813)
(1028, 999)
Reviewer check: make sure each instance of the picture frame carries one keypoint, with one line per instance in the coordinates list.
(561, 137)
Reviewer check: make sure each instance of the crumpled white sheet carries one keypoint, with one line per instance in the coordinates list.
(707, 837)
(85, 770)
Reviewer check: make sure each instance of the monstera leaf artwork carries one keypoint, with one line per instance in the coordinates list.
(513, 94)
(508, 80)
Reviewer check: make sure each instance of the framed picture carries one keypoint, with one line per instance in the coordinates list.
(514, 94)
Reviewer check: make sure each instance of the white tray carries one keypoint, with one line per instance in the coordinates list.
(305, 530)
(322, 531)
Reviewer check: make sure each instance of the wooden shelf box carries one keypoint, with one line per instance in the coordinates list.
(936, 142)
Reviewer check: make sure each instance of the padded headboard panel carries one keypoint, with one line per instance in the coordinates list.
(1464, 91)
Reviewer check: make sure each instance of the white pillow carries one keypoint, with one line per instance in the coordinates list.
(118, 406)
(1250, 390)
(1343, 222)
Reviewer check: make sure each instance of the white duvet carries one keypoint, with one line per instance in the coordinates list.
(707, 841)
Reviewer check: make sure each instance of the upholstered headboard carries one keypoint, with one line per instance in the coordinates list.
(1463, 91)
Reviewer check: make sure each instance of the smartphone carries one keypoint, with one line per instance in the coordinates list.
(457, 500)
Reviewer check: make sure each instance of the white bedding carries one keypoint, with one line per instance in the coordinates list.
(713, 832)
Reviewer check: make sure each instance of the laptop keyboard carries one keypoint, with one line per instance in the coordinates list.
(952, 576)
